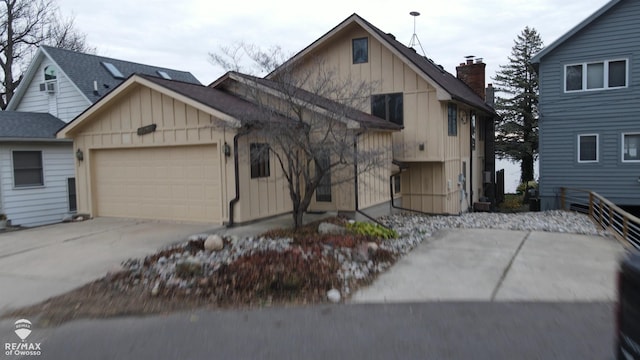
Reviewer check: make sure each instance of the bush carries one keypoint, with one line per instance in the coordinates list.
(371, 230)
(523, 187)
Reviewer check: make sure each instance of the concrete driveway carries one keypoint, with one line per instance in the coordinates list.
(38, 263)
(501, 265)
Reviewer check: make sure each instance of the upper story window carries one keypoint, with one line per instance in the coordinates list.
(259, 157)
(49, 73)
(360, 49)
(388, 107)
(452, 119)
(113, 70)
(588, 148)
(631, 147)
(609, 74)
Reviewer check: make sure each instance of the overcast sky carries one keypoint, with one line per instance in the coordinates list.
(181, 34)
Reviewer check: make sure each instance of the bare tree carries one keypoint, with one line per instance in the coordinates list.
(309, 119)
(24, 25)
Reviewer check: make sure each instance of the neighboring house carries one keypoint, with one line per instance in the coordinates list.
(58, 85)
(164, 149)
(445, 149)
(589, 91)
(37, 183)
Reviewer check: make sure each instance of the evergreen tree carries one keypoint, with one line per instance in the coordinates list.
(517, 104)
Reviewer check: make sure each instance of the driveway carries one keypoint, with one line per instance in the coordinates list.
(501, 265)
(38, 263)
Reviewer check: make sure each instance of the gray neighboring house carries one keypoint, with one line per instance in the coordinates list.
(37, 174)
(589, 107)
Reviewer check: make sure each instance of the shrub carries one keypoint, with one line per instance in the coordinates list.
(371, 230)
(523, 187)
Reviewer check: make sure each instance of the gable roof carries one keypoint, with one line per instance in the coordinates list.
(435, 74)
(576, 29)
(363, 119)
(16, 125)
(83, 69)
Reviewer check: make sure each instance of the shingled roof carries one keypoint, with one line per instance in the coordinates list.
(455, 87)
(83, 69)
(18, 125)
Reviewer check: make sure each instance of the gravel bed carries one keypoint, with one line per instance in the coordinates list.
(356, 264)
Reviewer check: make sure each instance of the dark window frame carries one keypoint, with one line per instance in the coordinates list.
(259, 160)
(20, 170)
(581, 150)
(452, 119)
(388, 107)
(360, 50)
(323, 190)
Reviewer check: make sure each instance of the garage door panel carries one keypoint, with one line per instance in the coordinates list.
(168, 183)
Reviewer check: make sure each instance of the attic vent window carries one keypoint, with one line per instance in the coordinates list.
(164, 74)
(113, 70)
(49, 73)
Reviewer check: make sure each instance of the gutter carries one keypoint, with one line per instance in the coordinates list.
(47, 140)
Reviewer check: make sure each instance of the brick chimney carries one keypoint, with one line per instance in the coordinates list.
(472, 73)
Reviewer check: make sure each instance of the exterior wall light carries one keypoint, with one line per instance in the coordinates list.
(226, 149)
(79, 155)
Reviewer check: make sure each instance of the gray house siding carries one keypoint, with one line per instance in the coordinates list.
(608, 112)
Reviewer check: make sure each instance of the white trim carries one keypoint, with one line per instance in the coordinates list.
(597, 149)
(605, 64)
(622, 148)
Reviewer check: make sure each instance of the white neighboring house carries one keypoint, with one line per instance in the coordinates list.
(37, 173)
(37, 177)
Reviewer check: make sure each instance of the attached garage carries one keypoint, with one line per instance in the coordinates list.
(164, 183)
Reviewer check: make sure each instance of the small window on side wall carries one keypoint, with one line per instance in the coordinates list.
(259, 156)
(631, 147)
(452, 119)
(27, 169)
(360, 49)
(588, 148)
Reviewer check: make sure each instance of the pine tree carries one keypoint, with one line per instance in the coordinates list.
(517, 104)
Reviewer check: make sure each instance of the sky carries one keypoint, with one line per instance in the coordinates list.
(182, 34)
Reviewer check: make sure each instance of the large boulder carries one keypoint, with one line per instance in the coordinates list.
(326, 228)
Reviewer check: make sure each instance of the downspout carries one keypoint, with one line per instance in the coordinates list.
(355, 173)
(236, 167)
(472, 120)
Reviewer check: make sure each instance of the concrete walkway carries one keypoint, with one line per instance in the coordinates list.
(500, 265)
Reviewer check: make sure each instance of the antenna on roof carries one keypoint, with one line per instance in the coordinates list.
(414, 38)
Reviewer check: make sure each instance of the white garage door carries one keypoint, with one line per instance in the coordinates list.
(167, 183)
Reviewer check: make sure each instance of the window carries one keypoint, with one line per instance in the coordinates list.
(453, 119)
(49, 73)
(588, 148)
(473, 130)
(71, 189)
(360, 49)
(388, 107)
(608, 74)
(259, 154)
(631, 147)
(27, 168)
(113, 70)
(164, 74)
(323, 191)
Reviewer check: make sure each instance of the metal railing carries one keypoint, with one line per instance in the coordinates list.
(604, 213)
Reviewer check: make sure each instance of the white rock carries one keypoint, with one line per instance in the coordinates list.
(214, 243)
(373, 247)
(334, 295)
(156, 289)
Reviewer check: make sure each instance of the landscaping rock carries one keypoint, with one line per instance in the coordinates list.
(373, 247)
(198, 237)
(214, 243)
(334, 296)
(189, 267)
(331, 229)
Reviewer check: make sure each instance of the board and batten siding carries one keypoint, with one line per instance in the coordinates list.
(374, 184)
(65, 103)
(39, 205)
(178, 124)
(608, 113)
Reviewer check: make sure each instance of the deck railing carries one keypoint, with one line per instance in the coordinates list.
(604, 213)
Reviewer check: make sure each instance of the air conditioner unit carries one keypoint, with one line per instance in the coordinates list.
(51, 88)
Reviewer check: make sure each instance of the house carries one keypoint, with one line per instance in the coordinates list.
(37, 183)
(445, 151)
(164, 149)
(589, 129)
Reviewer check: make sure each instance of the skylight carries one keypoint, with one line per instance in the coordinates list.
(164, 74)
(113, 70)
